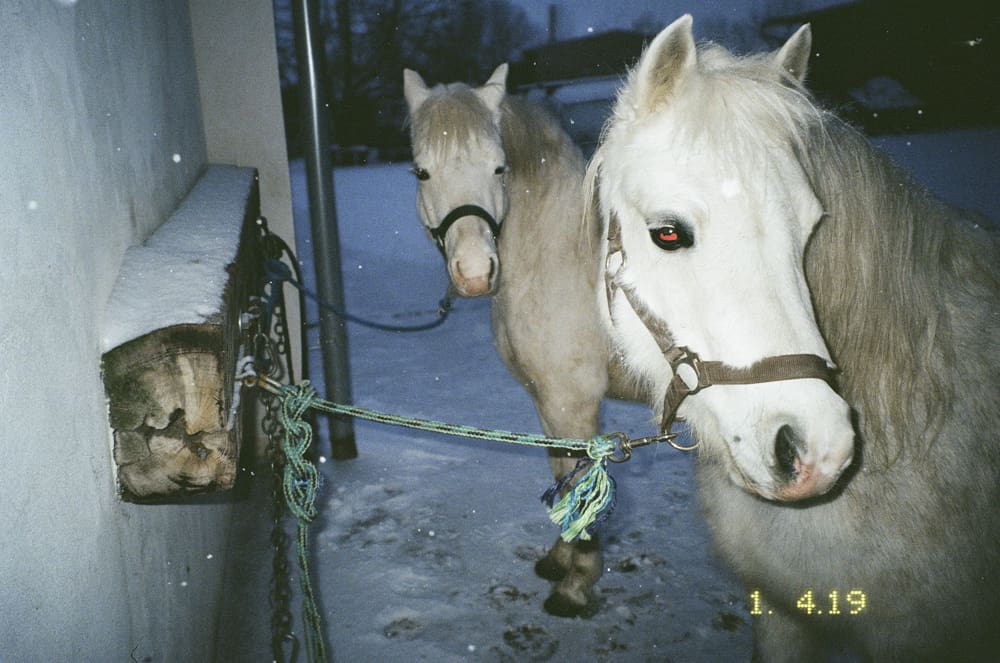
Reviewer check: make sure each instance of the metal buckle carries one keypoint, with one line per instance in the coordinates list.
(691, 360)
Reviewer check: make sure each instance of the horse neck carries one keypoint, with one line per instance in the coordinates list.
(540, 154)
(546, 182)
(882, 268)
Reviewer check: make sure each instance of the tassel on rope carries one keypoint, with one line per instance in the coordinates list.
(590, 497)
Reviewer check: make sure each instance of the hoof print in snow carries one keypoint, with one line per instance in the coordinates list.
(611, 647)
(434, 548)
(532, 642)
(728, 621)
(405, 628)
(634, 536)
(529, 553)
(629, 564)
(503, 595)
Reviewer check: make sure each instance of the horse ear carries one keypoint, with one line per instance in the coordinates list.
(493, 91)
(667, 60)
(793, 57)
(414, 89)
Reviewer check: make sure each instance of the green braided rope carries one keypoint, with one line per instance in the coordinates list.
(300, 483)
(585, 501)
(458, 430)
(587, 498)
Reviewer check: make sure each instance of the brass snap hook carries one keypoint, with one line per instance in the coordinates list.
(624, 446)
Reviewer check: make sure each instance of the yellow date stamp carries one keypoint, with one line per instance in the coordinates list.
(811, 602)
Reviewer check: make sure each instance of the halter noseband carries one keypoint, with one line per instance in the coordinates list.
(690, 373)
(439, 233)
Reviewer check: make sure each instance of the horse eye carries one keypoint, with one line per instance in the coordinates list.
(421, 173)
(500, 170)
(672, 235)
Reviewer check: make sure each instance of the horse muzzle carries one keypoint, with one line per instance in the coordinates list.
(808, 468)
(470, 254)
(476, 275)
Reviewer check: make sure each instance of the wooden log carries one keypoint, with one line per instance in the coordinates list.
(171, 388)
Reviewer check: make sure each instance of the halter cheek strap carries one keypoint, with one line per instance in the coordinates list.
(690, 373)
(438, 234)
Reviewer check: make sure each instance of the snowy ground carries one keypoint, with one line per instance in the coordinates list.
(425, 546)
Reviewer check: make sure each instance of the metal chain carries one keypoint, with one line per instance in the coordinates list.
(280, 594)
(268, 354)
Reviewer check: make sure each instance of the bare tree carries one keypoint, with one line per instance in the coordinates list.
(369, 42)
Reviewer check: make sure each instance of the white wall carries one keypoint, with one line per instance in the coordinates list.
(96, 99)
(240, 97)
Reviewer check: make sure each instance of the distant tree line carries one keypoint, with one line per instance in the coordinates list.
(369, 42)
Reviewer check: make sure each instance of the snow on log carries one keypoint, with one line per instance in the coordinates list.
(171, 340)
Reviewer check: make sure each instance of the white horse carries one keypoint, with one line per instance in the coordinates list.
(753, 239)
(500, 192)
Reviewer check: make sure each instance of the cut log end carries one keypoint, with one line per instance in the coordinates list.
(170, 389)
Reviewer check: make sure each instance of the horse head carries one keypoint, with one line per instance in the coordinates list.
(460, 165)
(710, 212)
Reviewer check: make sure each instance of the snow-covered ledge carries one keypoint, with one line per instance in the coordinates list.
(171, 339)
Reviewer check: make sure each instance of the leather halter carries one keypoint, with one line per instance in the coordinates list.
(438, 234)
(690, 373)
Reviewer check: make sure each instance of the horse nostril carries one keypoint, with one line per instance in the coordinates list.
(786, 444)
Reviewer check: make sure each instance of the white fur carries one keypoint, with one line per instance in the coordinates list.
(905, 291)
(544, 318)
(465, 174)
(739, 294)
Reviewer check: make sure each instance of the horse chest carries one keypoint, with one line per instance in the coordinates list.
(787, 550)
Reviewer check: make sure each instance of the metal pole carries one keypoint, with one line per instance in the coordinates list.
(323, 217)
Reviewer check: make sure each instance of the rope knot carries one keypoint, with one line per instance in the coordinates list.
(301, 479)
(601, 447)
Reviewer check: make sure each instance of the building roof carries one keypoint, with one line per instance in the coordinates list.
(947, 56)
(601, 55)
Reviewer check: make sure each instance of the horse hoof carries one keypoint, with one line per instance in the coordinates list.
(558, 605)
(550, 569)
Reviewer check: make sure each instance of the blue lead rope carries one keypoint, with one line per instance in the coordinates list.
(278, 272)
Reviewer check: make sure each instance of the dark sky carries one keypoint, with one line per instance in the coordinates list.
(578, 17)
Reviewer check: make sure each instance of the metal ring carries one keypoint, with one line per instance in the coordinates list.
(622, 446)
(681, 447)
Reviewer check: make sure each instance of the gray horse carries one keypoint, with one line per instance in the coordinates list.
(748, 226)
(500, 192)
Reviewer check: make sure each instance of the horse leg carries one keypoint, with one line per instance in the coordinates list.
(574, 567)
(559, 560)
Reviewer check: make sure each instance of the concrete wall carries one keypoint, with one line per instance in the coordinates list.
(102, 132)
